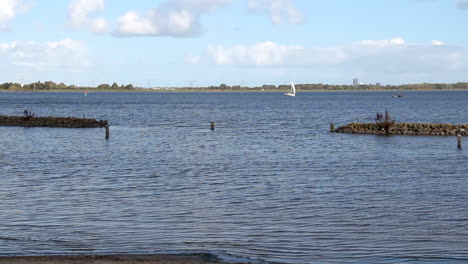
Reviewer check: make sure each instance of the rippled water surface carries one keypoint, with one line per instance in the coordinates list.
(270, 183)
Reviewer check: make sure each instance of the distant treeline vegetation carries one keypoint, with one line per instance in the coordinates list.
(332, 87)
(49, 85)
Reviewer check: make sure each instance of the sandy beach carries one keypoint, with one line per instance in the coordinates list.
(114, 259)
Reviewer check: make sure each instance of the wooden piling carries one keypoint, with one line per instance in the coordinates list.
(459, 141)
(332, 127)
(212, 125)
(107, 131)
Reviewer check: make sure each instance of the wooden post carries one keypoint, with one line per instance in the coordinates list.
(212, 125)
(107, 131)
(459, 141)
(332, 127)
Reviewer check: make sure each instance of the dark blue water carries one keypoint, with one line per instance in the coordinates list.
(270, 183)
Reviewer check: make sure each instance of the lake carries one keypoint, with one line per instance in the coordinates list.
(270, 183)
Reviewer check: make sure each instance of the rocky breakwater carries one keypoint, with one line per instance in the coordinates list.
(413, 129)
(68, 122)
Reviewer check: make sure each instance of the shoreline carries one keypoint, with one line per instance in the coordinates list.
(116, 259)
(177, 90)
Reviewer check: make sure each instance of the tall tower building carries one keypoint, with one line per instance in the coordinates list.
(355, 82)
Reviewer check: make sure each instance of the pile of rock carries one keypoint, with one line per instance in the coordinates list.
(405, 129)
(69, 122)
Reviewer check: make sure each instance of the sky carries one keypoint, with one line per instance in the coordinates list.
(183, 43)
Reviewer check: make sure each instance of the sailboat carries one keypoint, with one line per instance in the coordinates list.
(397, 95)
(293, 90)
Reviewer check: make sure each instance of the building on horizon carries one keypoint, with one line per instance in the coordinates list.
(355, 82)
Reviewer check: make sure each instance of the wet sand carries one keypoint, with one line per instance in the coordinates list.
(114, 259)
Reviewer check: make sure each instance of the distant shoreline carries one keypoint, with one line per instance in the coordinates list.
(305, 87)
(176, 90)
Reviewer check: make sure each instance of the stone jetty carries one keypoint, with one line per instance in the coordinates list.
(68, 122)
(413, 129)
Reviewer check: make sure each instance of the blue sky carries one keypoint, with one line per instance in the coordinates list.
(175, 43)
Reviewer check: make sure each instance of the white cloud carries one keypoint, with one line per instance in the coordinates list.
(8, 9)
(393, 56)
(438, 43)
(63, 53)
(175, 18)
(261, 54)
(393, 41)
(156, 22)
(267, 54)
(79, 12)
(279, 10)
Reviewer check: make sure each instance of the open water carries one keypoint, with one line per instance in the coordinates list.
(269, 184)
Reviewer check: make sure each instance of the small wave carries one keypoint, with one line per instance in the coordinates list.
(183, 172)
(11, 238)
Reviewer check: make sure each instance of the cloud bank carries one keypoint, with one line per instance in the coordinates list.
(262, 54)
(175, 18)
(178, 18)
(394, 56)
(62, 53)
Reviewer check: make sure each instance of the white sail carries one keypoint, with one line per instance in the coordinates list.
(293, 90)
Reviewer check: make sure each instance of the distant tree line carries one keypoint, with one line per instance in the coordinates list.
(331, 87)
(115, 86)
(49, 85)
